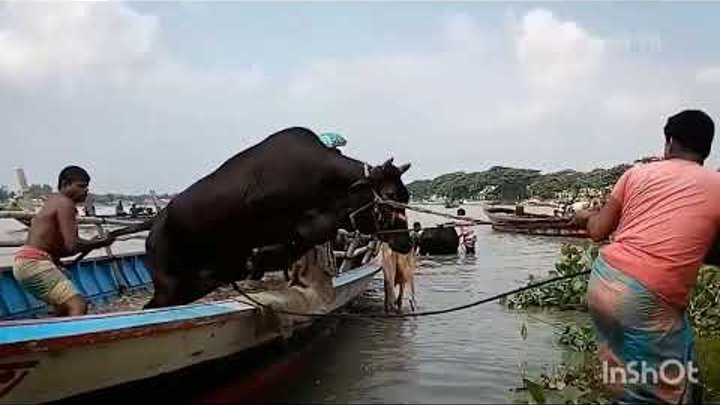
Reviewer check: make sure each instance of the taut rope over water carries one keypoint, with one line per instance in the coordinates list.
(410, 314)
(395, 204)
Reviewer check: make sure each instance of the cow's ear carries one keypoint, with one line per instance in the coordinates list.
(404, 168)
(388, 163)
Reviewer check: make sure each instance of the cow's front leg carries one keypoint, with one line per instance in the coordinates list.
(315, 228)
(389, 266)
(270, 258)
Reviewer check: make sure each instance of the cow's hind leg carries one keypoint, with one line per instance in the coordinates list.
(389, 294)
(165, 292)
(179, 285)
(398, 303)
(164, 283)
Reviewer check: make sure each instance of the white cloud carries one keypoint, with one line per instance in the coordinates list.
(462, 30)
(40, 41)
(556, 52)
(545, 93)
(709, 74)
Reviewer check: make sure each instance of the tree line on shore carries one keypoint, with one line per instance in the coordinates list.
(514, 184)
(44, 190)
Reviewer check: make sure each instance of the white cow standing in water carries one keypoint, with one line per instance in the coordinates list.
(398, 271)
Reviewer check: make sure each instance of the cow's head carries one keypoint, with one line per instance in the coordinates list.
(383, 181)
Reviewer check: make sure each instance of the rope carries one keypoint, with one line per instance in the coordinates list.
(395, 204)
(409, 314)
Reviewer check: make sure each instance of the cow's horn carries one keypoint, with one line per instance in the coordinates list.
(404, 168)
(388, 162)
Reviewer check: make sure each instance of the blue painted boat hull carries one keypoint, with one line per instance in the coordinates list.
(48, 359)
(100, 280)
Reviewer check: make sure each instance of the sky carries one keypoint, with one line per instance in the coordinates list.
(157, 95)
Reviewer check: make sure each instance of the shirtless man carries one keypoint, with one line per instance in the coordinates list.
(53, 235)
(467, 233)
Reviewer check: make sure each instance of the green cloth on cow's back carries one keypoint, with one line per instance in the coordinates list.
(332, 140)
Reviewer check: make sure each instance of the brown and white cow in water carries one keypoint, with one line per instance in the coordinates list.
(399, 273)
(289, 191)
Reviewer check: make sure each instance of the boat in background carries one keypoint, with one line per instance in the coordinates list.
(518, 221)
(452, 203)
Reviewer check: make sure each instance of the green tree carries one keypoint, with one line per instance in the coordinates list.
(39, 190)
(513, 184)
(419, 189)
(5, 194)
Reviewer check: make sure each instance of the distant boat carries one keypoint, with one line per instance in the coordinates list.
(452, 204)
(517, 221)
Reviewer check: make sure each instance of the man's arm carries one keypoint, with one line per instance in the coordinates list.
(600, 224)
(72, 243)
(67, 223)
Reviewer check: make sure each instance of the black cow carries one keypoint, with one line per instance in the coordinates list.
(443, 240)
(284, 195)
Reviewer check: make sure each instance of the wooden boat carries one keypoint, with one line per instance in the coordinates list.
(517, 221)
(48, 359)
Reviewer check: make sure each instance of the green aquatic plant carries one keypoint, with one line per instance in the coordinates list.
(578, 338)
(704, 308)
(565, 294)
(708, 351)
(578, 383)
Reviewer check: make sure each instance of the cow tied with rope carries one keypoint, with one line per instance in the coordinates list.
(288, 193)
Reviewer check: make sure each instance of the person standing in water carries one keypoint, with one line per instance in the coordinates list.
(467, 234)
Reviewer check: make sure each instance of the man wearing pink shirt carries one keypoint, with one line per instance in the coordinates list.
(662, 218)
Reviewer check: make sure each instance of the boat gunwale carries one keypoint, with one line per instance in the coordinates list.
(111, 335)
(115, 256)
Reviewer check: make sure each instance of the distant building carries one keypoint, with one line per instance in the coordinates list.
(22, 180)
